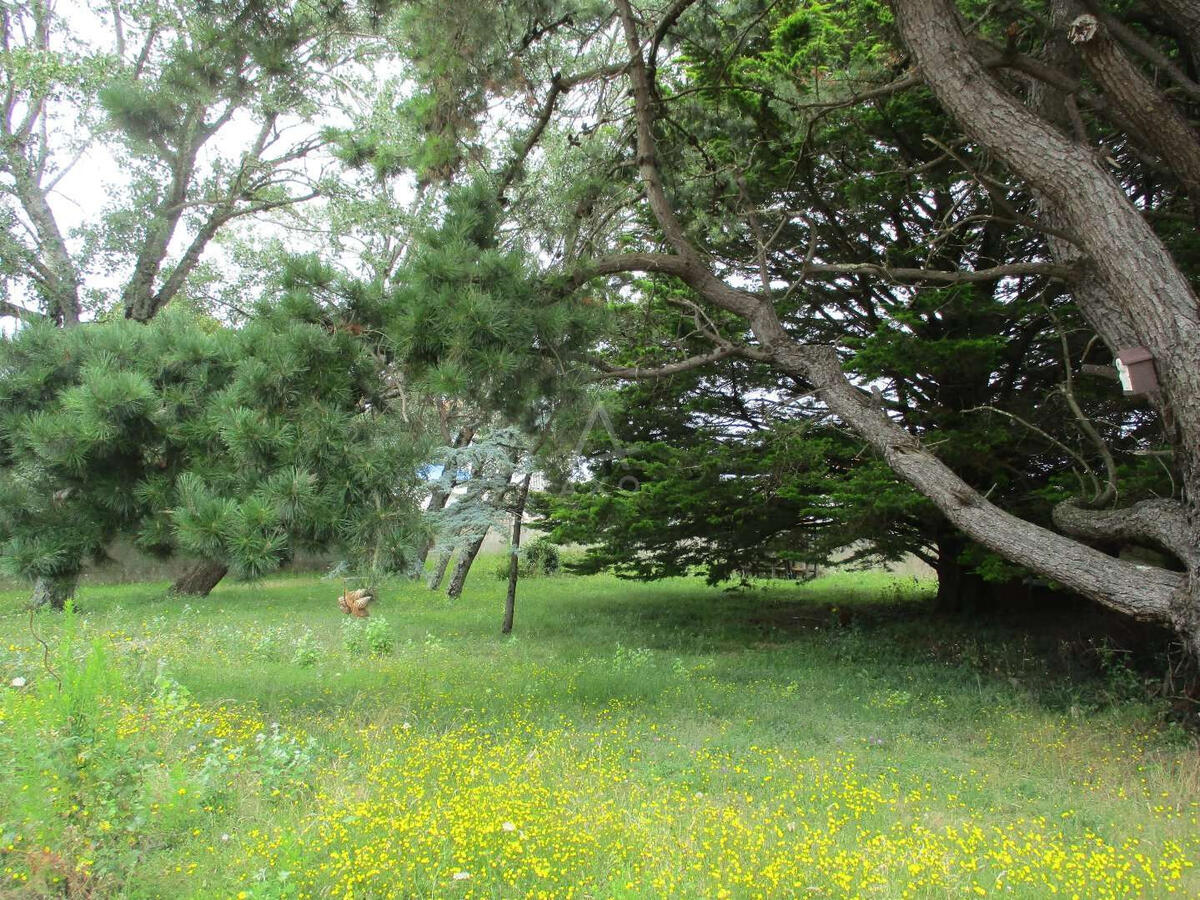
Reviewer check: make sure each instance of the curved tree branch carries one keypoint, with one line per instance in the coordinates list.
(1160, 522)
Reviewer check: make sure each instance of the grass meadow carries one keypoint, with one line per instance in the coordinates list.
(818, 740)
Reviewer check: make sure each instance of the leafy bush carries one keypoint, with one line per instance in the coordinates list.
(372, 636)
(539, 557)
(308, 651)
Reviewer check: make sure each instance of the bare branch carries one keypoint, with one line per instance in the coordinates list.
(1083, 463)
(118, 28)
(684, 365)
(965, 276)
(670, 17)
(1161, 522)
(1067, 389)
(20, 312)
(543, 119)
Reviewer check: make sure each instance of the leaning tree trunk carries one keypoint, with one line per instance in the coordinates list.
(439, 570)
(437, 502)
(514, 562)
(438, 498)
(465, 559)
(53, 591)
(200, 579)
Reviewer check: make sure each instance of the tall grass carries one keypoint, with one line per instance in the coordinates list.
(827, 739)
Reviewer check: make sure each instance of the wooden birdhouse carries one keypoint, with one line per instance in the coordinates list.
(1135, 366)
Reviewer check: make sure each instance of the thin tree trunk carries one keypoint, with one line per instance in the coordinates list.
(465, 558)
(437, 502)
(53, 591)
(514, 562)
(200, 579)
(439, 570)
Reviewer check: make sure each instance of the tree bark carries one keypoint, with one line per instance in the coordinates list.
(514, 561)
(465, 558)
(200, 579)
(53, 591)
(439, 570)
(1159, 125)
(138, 297)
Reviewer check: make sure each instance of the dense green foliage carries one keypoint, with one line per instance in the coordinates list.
(236, 445)
(471, 320)
(776, 171)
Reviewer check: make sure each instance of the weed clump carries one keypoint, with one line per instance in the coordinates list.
(368, 637)
(539, 557)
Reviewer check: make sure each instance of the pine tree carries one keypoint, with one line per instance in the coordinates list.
(241, 446)
(474, 326)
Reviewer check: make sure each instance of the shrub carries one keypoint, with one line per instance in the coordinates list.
(538, 557)
(308, 651)
(372, 636)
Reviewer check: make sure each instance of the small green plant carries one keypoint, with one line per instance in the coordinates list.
(380, 639)
(308, 651)
(1122, 682)
(372, 636)
(280, 758)
(354, 636)
(542, 557)
(538, 557)
(628, 659)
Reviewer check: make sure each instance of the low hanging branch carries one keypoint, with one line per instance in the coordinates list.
(1142, 592)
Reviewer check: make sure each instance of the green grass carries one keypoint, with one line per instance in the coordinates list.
(827, 739)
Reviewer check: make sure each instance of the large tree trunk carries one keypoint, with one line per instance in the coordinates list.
(200, 579)
(959, 591)
(466, 558)
(1128, 258)
(514, 561)
(53, 591)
